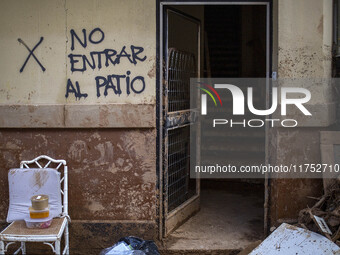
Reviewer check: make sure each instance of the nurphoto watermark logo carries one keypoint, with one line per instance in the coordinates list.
(280, 97)
(231, 122)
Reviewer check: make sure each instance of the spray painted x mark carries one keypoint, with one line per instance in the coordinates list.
(31, 54)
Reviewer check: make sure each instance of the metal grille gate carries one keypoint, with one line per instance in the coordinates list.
(178, 166)
(181, 66)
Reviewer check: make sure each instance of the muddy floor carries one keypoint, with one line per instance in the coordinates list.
(228, 220)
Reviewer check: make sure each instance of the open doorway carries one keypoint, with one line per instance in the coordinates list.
(223, 40)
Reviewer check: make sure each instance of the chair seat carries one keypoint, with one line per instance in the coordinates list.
(17, 231)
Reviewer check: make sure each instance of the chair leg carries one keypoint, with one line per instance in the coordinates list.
(67, 242)
(2, 248)
(23, 248)
(57, 247)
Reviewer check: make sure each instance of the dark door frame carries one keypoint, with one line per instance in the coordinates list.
(160, 4)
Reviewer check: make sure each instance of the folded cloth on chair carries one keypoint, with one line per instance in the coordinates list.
(27, 182)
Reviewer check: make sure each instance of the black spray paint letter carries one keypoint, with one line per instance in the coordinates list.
(115, 83)
(83, 42)
(75, 90)
(31, 54)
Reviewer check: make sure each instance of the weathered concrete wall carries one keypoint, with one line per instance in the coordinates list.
(304, 51)
(123, 23)
(29, 21)
(288, 196)
(112, 157)
(111, 176)
(91, 52)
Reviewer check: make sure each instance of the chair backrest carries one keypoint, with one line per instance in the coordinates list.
(58, 164)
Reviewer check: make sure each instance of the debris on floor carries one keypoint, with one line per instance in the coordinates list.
(131, 246)
(289, 239)
(324, 216)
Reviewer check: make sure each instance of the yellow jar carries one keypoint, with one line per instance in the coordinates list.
(39, 214)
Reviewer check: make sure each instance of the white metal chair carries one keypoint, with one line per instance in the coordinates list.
(17, 230)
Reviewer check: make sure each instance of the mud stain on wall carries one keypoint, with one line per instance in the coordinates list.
(106, 153)
(299, 62)
(78, 151)
(152, 71)
(112, 172)
(289, 196)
